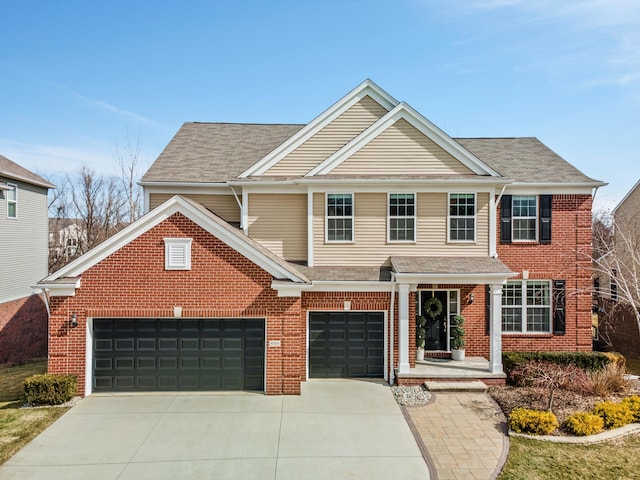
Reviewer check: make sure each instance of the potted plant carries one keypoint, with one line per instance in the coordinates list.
(421, 336)
(457, 338)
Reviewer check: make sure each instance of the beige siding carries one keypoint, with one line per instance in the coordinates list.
(401, 149)
(225, 206)
(370, 246)
(279, 222)
(23, 241)
(330, 139)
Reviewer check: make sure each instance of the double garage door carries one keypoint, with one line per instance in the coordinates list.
(346, 344)
(178, 354)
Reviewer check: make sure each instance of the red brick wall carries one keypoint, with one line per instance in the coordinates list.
(566, 258)
(23, 330)
(132, 282)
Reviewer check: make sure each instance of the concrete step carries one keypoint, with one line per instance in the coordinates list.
(466, 386)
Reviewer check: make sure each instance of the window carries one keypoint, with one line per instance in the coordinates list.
(462, 217)
(339, 217)
(177, 254)
(402, 217)
(614, 285)
(526, 306)
(525, 218)
(12, 201)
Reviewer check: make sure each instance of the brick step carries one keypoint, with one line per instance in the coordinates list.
(463, 386)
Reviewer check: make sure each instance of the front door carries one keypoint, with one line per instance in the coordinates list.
(433, 307)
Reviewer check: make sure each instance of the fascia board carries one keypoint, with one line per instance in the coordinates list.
(183, 184)
(345, 286)
(367, 87)
(58, 289)
(405, 112)
(484, 182)
(558, 188)
(459, 278)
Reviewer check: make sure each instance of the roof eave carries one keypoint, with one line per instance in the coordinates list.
(20, 178)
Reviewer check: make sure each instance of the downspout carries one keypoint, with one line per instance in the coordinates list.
(500, 196)
(392, 318)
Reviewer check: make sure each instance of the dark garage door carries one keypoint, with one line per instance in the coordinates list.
(346, 344)
(147, 354)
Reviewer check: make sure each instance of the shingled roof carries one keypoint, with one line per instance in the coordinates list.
(219, 152)
(12, 170)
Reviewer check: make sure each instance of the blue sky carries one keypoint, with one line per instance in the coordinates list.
(77, 77)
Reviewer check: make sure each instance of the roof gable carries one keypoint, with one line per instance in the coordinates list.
(404, 112)
(202, 217)
(366, 88)
(12, 170)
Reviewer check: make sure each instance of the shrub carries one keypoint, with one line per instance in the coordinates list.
(589, 361)
(616, 358)
(538, 422)
(583, 423)
(611, 379)
(633, 402)
(614, 414)
(50, 389)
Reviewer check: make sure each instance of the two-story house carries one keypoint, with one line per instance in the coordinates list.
(275, 253)
(23, 262)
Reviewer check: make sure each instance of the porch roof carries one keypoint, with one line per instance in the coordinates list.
(439, 269)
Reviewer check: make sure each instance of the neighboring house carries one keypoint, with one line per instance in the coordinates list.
(275, 253)
(618, 269)
(66, 238)
(23, 261)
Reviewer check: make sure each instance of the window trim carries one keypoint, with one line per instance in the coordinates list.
(475, 217)
(12, 187)
(414, 216)
(536, 218)
(171, 242)
(352, 217)
(524, 308)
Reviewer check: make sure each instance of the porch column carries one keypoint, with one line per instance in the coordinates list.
(495, 360)
(403, 324)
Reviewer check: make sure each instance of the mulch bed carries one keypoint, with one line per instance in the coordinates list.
(565, 402)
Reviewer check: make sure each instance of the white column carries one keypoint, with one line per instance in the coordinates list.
(495, 361)
(403, 323)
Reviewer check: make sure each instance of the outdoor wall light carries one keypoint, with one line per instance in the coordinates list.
(472, 297)
(74, 320)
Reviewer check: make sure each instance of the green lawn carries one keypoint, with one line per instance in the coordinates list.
(535, 460)
(18, 426)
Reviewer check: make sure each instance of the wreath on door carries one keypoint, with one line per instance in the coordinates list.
(433, 307)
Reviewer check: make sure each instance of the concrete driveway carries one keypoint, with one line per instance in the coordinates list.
(334, 430)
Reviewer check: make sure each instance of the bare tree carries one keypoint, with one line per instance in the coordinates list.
(128, 158)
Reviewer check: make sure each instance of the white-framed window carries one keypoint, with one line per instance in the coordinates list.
(525, 218)
(526, 306)
(339, 217)
(402, 217)
(462, 217)
(177, 253)
(12, 200)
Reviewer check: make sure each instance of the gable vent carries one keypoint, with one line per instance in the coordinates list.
(177, 253)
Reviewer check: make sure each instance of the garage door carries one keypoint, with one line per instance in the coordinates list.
(346, 344)
(178, 354)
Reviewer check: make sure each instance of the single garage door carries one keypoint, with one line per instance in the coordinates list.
(146, 354)
(346, 344)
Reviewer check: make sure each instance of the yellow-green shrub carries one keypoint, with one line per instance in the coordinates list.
(583, 423)
(614, 414)
(538, 422)
(633, 402)
(49, 388)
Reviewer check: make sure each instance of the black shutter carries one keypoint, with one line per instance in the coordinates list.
(505, 219)
(559, 300)
(487, 309)
(545, 219)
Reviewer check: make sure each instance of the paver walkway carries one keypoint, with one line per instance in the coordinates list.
(464, 434)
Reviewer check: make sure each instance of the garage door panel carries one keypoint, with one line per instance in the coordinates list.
(346, 344)
(190, 354)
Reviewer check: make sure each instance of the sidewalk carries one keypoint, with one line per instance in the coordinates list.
(464, 434)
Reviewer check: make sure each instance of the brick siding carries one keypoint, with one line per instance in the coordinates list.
(23, 330)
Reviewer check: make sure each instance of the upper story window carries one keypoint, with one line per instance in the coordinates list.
(525, 218)
(12, 201)
(526, 306)
(402, 217)
(339, 217)
(462, 217)
(177, 253)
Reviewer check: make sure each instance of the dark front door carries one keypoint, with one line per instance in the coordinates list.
(144, 354)
(346, 344)
(433, 306)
